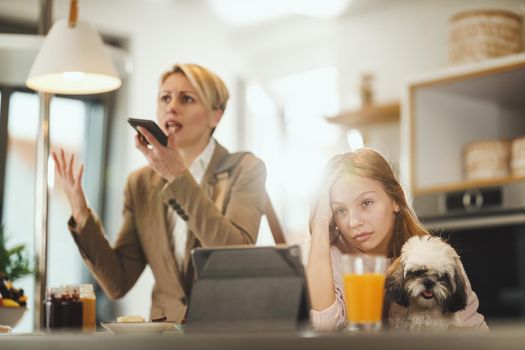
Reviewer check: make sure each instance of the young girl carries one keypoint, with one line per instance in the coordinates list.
(361, 209)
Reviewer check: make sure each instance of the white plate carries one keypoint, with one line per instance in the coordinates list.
(140, 327)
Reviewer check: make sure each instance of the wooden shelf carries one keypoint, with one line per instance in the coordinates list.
(368, 115)
(465, 185)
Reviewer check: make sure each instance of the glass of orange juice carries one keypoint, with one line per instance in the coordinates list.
(364, 283)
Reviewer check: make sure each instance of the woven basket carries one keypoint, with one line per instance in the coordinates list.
(487, 160)
(480, 34)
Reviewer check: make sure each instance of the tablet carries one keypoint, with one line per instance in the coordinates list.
(248, 288)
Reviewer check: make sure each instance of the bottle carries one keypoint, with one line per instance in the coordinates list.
(52, 314)
(366, 89)
(89, 308)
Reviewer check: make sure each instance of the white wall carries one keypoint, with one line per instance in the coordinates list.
(394, 39)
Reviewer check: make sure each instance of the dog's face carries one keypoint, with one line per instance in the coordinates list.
(427, 288)
(427, 276)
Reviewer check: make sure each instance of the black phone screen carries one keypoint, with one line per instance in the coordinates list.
(151, 126)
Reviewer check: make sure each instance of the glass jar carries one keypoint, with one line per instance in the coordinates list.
(89, 308)
(63, 309)
(71, 307)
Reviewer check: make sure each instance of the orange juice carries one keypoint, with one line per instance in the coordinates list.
(364, 297)
(89, 317)
(89, 308)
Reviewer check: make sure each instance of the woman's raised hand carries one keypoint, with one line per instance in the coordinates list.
(167, 161)
(71, 183)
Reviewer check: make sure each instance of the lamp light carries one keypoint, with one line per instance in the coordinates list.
(73, 60)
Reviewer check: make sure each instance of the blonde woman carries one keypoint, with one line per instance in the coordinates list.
(361, 209)
(193, 193)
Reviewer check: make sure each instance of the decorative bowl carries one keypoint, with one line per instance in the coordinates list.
(11, 316)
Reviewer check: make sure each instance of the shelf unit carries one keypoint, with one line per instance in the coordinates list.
(450, 109)
(368, 115)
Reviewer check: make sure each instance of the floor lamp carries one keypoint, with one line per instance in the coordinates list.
(73, 61)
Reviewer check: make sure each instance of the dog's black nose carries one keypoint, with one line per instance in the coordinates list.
(428, 283)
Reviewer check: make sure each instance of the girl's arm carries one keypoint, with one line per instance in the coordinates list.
(319, 269)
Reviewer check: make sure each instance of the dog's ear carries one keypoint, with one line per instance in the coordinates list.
(458, 299)
(395, 283)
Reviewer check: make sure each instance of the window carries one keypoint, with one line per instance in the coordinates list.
(76, 124)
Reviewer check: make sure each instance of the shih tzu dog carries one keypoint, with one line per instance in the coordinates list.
(428, 281)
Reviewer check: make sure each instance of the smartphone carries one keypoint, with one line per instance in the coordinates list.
(152, 127)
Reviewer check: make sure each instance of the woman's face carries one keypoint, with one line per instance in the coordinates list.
(363, 212)
(179, 109)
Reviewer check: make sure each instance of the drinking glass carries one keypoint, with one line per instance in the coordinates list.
(364, 282)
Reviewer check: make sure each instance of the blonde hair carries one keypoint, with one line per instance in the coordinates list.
(368, 163)
(210, 89)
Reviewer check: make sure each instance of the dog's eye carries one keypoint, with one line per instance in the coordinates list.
(416, 273)
(443, 278)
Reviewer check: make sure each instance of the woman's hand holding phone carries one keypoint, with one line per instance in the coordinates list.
(166, 160)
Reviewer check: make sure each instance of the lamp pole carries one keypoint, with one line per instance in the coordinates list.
(41, 188)
(81, 49)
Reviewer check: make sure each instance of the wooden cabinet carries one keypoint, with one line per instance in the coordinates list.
(447, 110)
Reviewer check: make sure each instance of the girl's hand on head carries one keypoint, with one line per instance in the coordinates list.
(322, 214)
(71, 183)
(166, 161)
(322, 210)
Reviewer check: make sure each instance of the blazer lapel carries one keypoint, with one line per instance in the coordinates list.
(160, 212)
(208, 183)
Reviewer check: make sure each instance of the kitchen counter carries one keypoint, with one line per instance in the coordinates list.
(511, 336)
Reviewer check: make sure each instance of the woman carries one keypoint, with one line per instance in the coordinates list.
(193, 193)
(361, 209)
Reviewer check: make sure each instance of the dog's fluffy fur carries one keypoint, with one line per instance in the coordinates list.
(428, 281)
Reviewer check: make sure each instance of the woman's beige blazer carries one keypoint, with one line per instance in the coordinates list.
(225, 209)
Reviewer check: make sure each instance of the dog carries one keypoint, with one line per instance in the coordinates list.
(427, 280)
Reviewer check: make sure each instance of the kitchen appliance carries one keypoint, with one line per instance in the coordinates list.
(486, 225)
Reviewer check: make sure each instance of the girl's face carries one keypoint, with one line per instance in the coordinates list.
(363, 212)
(179, 109)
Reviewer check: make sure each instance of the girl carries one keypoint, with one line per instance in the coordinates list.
(361, 209)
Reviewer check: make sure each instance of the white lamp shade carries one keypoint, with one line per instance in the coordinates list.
(73, 60)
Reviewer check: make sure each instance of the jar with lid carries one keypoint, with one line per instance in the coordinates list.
(63, 308)
(71, 307)
(89, 308)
